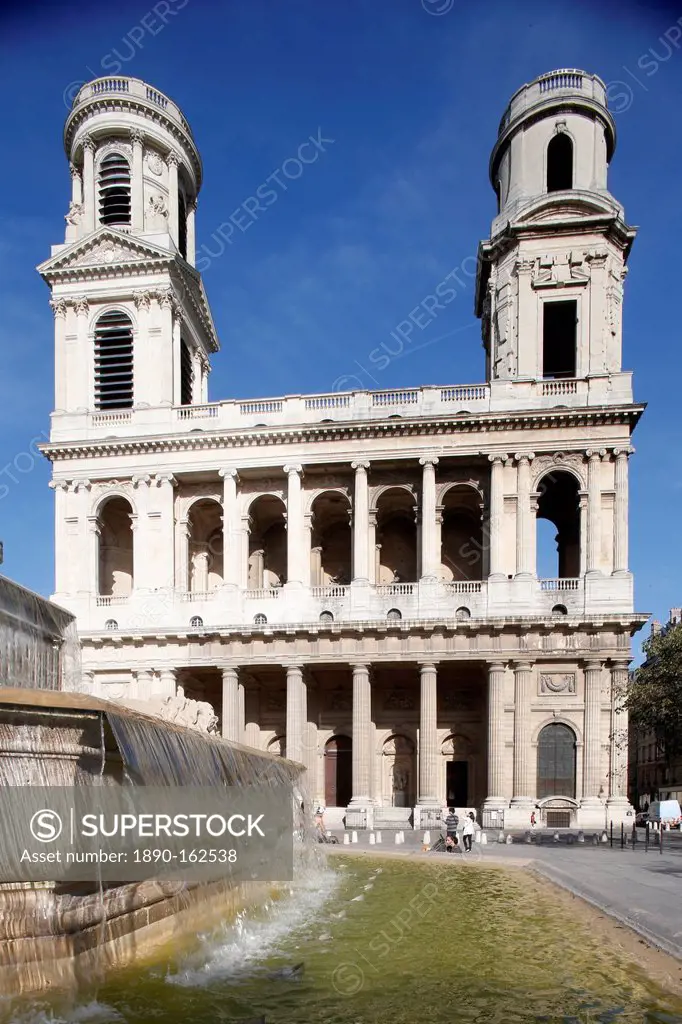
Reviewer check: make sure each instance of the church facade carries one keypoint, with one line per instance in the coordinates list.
(352, 578)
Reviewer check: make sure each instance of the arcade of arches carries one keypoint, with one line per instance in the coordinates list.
(396, 741)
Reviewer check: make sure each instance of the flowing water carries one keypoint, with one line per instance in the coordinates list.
(382, 941)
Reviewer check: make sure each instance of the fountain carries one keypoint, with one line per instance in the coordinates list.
(56, 934)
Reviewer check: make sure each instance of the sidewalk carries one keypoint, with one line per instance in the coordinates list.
(638, 889)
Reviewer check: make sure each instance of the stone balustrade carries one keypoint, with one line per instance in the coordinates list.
(134, 88)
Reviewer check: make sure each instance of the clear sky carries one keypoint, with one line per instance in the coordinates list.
(305, 299)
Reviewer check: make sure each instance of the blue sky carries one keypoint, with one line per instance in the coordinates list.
(411, 93)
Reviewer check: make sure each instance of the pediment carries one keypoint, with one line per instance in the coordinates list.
(106, 248)
(569, 207)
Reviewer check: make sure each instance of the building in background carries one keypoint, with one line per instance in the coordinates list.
(353, 578)
(650, 777)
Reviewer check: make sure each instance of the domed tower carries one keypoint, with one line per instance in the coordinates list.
(549, 287)
(133, 327)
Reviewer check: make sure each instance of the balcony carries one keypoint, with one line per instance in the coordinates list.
(129, 88)
(564, 81)
(427, 403)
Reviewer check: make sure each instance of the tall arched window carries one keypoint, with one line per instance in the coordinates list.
(113, 361)
(114, 190)
(560, 163)
(556, 761)
(182, 225)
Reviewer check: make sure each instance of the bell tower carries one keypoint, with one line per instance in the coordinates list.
(133, 328)
(550, 278)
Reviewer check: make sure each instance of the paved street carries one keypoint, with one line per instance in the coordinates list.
(641, 889)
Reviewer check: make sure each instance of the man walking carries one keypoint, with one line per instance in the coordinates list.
(451, 823)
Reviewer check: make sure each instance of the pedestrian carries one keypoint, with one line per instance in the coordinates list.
(533, 820)
(451, 823)
(468, 832)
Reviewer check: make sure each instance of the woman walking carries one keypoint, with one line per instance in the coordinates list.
(468, 832)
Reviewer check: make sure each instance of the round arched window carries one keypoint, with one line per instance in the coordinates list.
(196, 621)
(559, 609)
(260, 620)
(111, 624)
(462, 614)
(394, 614)
(326, 617)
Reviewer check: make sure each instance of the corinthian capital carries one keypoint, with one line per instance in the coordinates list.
(59, 307)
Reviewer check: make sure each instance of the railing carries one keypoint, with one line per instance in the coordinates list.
(465, 393)
(560, 584)
(104, 601)
(332, 591)
(198, 595)
(396, 589)
(249, 408)
(110, 85)
(102, 419)
(465, 586)
(560, 387)
(263, 592)
(157, 97)
(328, 402)
(135, 88)
(410, 397)
(565, 78)
(198, 412)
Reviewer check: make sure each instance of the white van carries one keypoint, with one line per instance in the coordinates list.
(666, 812)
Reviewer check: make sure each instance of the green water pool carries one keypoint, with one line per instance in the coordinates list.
(384, 941)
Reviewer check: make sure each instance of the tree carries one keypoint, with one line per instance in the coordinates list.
(654, 699)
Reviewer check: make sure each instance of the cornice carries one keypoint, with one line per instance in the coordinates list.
(354, 430)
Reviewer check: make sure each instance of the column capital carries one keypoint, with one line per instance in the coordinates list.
(523, 666)
(293, 469)
(293, 666)
(359, 466)
(360, 666)
(59, 307)
(498, 457)
(229, 472)
(81, 305)
(428, 666)
(137, 136)
(143, 298)
(621, 665)
(429, 460)
(165, 478)
(596, 454)
(623, 453)
(138, 481)
(593, 664)
(74, 171)
(173, 159)
(497, 666)
(87, 142)
(528, 456)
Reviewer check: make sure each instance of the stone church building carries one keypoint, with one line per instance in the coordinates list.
(352, 578)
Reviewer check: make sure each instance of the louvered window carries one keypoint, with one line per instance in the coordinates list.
(114, 190)
(186, 375)
(113, 361)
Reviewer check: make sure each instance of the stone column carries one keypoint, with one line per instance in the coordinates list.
(191, 236)
(361, 523)
(141, 549)
(496, 513)
(295, 713)
(523, 786)
(232, 542)
(84, 392)
(252, 713)
(582, 509)
(89, 198)
(241, 711)
(620, 512)
(61, 368)
(496, 785)
(177, 342)
(618, 779)
(76, 185)
(94, 531)
(294, 527)
(429, 555)
(230, 716)
(137, 183)
(525, 534)
(428, 737)
(144, 684)
(167, 682)
(592, 733)
(362, 723)
(594, 509)
(173, 160)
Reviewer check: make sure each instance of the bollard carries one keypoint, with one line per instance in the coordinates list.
(500, 837)
(509, 840)
(484, 839)
(354, 838)
(570, 839)
(622, 836)
(528, 837)
(660, 839)
(646, 837)
(397, 839)
(581, 837)
(555, 837)
(611, 834)
(346, 839)
(634, 836)
(372, 839)
(604, 837)
(426, 841)
(595, 839)
(378, 837)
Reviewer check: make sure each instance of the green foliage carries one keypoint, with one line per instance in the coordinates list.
(654, 699)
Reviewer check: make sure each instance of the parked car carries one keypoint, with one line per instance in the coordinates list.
(641, 818)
